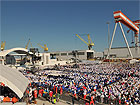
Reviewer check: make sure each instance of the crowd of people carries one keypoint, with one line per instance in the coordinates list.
(116, 84)
(6, 94)
(109, 83)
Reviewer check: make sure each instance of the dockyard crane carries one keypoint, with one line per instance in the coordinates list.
(132, 25)
(2, 45)
(137, 23)
(45, 47)
(26, 47)
(89, 43)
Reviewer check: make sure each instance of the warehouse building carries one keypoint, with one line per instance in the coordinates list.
(81, 55)
(67, 55)
(121, 52)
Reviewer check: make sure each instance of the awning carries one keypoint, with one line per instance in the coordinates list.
(15, 80)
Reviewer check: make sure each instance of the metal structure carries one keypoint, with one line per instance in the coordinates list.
(108, 35)
(45, 47)
(137, 22)
(89, 43)
(137, 41)
(2, 45)
(121, 18)
(26, 47)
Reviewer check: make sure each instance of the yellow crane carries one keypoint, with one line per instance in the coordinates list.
(2, 45)
(45, 47)
(26, 47)
(89, 43)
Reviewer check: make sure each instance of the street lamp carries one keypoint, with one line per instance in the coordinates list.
(108, 39)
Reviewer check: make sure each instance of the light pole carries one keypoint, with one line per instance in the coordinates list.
(108, 39)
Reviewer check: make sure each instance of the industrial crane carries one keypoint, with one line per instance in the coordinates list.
(26, 47)
(121, 18)
(2, 45)
(45, 47)
(137, 23)
(89, 43)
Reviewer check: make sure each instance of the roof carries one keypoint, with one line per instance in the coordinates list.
(121, 47)
(17, 50)
(71, 51)
(15, 80)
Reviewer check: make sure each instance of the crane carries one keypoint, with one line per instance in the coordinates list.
(2, 45)
(137, 23)
(45, 47)
(26, 47)
(121, 18)
(89, 43)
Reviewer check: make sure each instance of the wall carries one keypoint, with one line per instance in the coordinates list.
(120, 52)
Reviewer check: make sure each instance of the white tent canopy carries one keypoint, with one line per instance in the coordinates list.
(15, 80)
(17, 50)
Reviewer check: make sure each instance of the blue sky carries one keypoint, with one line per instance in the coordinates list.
(55, 23)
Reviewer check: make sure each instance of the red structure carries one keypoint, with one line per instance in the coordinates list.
(133, 25)
(120, 17)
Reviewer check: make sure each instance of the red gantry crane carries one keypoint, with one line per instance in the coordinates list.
(132, 25)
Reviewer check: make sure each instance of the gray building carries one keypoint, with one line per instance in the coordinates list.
(81, 55)
(117, 52)
(66, 55)
(121, 52)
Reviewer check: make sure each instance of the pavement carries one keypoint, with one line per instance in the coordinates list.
(65, 99)
(61, 102)
(42, 102)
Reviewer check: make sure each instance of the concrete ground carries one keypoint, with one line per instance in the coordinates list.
(61, 102)
(44, 102)
(65, 99)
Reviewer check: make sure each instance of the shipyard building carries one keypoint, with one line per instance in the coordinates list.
(116, 52)
(79, 54)
(121, 52)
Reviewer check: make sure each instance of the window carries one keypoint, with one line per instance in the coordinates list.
(57, 54)
(70, 54)
(81, 53)
(63, 54)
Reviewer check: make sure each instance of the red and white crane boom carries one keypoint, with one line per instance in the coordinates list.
(133, 25)
(120, 17)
